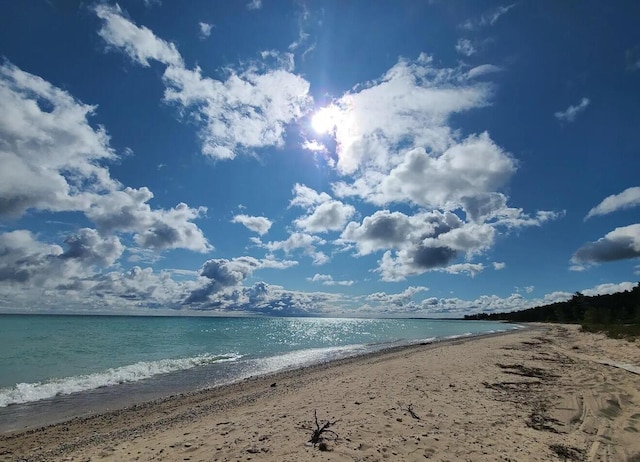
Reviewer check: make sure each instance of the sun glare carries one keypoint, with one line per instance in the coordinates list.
(325, 120)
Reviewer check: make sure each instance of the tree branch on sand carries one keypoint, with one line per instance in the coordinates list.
(411, 412)
(317, 436)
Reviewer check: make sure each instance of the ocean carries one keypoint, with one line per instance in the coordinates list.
(56, 367)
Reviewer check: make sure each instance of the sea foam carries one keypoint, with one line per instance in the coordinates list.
(29, 392)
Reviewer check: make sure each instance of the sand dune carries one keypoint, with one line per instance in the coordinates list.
(536, 395)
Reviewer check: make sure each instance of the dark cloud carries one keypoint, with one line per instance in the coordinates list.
(93, 249)
(482, 206)
(433, 257)
(620, 244)
(222, 274)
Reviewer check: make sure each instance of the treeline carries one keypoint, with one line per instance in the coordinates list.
(616, 314)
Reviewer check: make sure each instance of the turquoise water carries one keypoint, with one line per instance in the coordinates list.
(47, 358)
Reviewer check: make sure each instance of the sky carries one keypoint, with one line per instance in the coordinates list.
(317, 158)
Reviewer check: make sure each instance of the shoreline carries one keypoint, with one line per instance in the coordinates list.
(119, 401)
(442, 401)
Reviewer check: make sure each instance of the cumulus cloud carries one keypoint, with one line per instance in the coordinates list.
(222, 275)
(570, 114)
(324, 213)
(403, 299)
(22, 257)
(51, 159)
(33, 263)
(385, 229)
(249, 109)
(620, 244)
(407, 107)
(418, 243)
(254, 5)
(49, 152)
(472, 167)
(260, 225)
(627, 199)
(88, 245)
(303, 242)
(395, 145)
(498, 265)
(306, 197)
(328, 216)
(128, 211)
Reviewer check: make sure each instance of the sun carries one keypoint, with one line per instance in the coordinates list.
(325, 120)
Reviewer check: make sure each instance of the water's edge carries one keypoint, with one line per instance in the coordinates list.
(87, 405)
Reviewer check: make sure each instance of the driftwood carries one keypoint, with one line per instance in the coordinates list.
(317, 436)
(411, 412)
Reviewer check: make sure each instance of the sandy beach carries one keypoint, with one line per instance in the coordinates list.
(547, 393)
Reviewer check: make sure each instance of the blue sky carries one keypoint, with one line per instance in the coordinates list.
(332, 158)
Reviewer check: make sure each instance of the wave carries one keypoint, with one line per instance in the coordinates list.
(28, 392)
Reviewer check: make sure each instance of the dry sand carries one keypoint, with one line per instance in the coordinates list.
(549, 393)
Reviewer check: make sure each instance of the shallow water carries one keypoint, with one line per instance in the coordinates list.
(56, 367)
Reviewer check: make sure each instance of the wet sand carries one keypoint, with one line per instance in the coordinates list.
(548, 393)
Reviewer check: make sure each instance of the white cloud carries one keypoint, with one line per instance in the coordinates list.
(327, 280)
(499, 265)
(465, 47)
(140, 286)
(628, 198)
(260, 225)
(488, 18)
(472, 269)
(92, 248)
(205, 30)
(483, 69)
(51, 162)
(328, 216)
(404, 299)
(300, 241)
(139, 43)
(608, 288)
(407, 107)
(474, 166)
(570, 114)
(620, 244)
(422, 242)
(28, 262)
(315, 146)
(128, 211)
(304, 17)
(254, 5)
(306, 197)
(323, 213)
(394, 145)
(49, 152)
(249, 109)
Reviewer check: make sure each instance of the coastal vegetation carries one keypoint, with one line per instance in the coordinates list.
(617, 315)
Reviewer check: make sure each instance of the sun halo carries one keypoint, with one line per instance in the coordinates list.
(325, 120)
